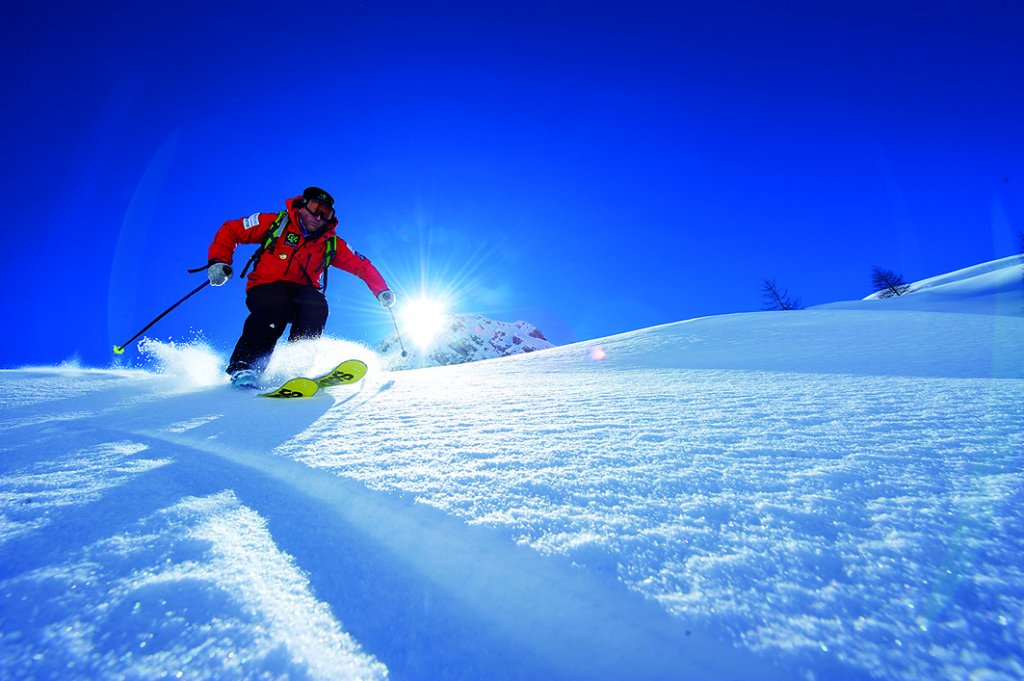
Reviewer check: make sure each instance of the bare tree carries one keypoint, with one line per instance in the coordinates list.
(777, 298)
(888, 283)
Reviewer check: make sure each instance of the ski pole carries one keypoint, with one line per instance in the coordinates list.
(119, 349)
(397, 332)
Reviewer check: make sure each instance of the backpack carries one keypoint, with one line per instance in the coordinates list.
(277, 228)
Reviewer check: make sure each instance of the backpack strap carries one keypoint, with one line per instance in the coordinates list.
(330, 248)
(277, 227)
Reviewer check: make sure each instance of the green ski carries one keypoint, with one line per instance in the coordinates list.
(346, 373)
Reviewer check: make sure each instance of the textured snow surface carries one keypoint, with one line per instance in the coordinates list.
(875, 520)
(823, 494)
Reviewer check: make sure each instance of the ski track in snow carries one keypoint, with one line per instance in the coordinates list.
(207, 594)
(174, 551)
(822, 495)
(112, 570)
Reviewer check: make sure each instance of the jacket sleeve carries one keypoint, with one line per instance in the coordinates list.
(250, 230)
(359, 265)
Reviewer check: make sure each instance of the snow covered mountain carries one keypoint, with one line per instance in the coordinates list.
(832, 493)
(467, 338)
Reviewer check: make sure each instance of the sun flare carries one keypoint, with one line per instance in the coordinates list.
(423, 319)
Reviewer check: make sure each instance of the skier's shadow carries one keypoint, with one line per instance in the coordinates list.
(366, 394)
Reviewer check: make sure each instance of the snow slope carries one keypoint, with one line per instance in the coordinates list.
(821, 494)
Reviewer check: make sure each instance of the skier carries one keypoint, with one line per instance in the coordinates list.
(288, 277)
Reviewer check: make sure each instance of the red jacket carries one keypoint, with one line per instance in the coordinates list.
(295, 257)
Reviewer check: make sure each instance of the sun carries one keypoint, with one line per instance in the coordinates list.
(423, 319)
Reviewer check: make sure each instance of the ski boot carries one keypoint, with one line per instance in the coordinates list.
(245, 379)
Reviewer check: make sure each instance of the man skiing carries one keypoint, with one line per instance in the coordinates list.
(289, 275)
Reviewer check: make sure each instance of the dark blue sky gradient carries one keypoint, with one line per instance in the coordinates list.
(589, 168)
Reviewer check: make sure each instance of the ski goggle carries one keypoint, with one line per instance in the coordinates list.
(321, 209)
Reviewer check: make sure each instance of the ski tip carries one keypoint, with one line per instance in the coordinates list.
(348, 372)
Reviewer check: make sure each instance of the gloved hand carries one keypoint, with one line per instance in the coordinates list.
(386, 298)
(219, 273)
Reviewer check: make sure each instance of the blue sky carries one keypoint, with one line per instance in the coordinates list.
(589, 168)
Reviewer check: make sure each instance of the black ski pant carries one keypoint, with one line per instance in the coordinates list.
(272, 307)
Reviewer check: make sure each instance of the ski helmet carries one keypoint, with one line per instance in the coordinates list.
(319, 195)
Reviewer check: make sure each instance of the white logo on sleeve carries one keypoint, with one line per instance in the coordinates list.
(355, 252)
(251, 221)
